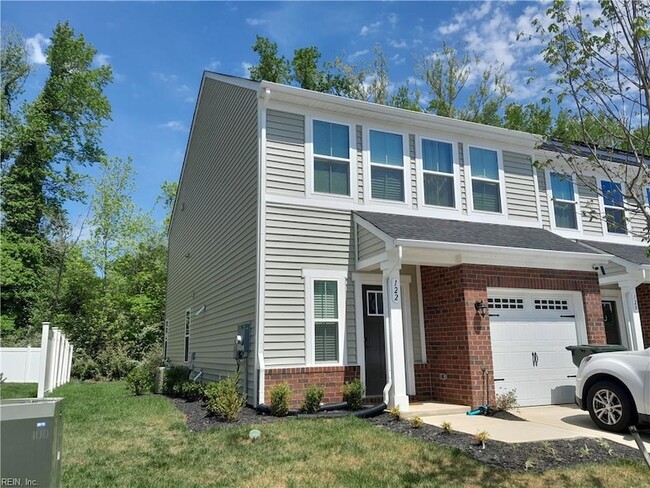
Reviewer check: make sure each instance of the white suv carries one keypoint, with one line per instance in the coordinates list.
(615, 388)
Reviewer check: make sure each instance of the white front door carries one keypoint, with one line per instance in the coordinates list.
(530, 331)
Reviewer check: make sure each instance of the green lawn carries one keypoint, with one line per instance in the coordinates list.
(18, 390)
(114, 439)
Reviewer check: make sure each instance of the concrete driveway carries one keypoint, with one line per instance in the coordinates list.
(543, 424)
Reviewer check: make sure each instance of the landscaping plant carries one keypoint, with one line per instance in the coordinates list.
(394, 412)
(224, 400)
(446, 426)
(353, 393)
(139, 381)
(506, 401)
(280, 399)
(313, 398)
(192, 391)
(482, 437)
(416, 422)
(174, 379)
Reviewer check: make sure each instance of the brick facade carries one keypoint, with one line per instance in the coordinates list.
(643, 300)
(458, 339)
(331, 378)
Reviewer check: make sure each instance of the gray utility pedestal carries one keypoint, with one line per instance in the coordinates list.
(31, 434)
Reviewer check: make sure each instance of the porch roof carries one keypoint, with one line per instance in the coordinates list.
(426, 229)
(633, 254)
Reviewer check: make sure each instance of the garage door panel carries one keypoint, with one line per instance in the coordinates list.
(529, 334)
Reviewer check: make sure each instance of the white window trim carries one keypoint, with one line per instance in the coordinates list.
(165, 339)
(187, 332)
(367, 167)
(603, 211)
(311, 275)
(309, 158)
(419, 165)
(469, 179)
(551, 205)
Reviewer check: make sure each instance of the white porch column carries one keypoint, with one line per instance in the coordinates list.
(631, 314)
(395, 358)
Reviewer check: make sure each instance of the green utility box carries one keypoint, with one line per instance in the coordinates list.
(31, 434)
(578, 353)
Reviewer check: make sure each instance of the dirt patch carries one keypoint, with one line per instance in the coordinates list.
(529, 456)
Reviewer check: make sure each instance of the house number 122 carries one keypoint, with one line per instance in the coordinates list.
(395, 290)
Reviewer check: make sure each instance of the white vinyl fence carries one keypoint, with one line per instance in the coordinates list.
(48, 365)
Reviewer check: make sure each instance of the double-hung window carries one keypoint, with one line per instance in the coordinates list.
(331, 158)
(186, 345)
(325, 316)
(486, 187)
(614, 207)
(564, 201)
(438, 170)
(386, 166)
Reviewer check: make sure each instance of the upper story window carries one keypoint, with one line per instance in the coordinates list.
(614, 207)
(438, 171)
(331, 158)
(564, 201)
(386, 166)
(486, 187)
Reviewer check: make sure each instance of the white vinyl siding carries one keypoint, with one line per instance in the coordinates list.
(520, 186)
(213, 234)
(360, 185)
(299, 238)
(590, 209)
(413, 191)
(368, 244)
(285, 153)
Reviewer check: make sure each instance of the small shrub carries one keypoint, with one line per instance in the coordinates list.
(394, 412)
(482, 437)
(174, 379)
(585, 451)
(84, 367)
(139, 381)
(192, 391)
(506, 401)
(529, 464)
(153, 359)
(313, 398)
(353, 393)
(115, 363)
(446, 426)
(280, 399)
(224, 399)
(416, 422)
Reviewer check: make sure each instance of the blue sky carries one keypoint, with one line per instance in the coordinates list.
(158, 51)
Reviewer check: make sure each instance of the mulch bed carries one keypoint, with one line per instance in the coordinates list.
(528, 456)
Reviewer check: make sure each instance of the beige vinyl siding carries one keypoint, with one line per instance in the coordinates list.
(520, 186)
(359, 131)
(368, 244)
(637, 221)
(463, 178)
(543, 199)
(285, 153)
(213, 233)
(413, 170)
(592, 224)
(298, 238)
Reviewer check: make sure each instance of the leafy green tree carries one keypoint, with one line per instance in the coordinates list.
(602, 69)
(169, 190)
(532, 117)
(365, 82)
(404, 98)
(271, 67)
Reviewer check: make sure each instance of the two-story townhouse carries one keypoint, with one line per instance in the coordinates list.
(427, 256)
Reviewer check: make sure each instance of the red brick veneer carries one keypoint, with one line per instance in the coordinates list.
(458, 339)
(643, 300)
(330, 378)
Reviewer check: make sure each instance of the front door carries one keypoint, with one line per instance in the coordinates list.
(612, 328)
(375, 346)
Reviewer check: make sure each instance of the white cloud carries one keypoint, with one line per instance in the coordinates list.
(245, 69)
(175, 125)
(101, 59)
(393, 19)
(369, 29)
(165, 78)
(396, 59)
(357, 54)
(35, 48)
(213, 65)
(255, 22)
(397, 45)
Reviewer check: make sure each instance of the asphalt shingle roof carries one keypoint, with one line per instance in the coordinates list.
(633, 254)
(455, 231)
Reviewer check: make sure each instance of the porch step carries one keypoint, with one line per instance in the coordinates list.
(427, 409)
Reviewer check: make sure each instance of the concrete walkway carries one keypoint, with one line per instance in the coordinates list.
(543, 424)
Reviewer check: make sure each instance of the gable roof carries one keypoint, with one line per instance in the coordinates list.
(475, 233)
(633, 254)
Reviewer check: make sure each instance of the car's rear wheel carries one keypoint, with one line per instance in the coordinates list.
(610, 406)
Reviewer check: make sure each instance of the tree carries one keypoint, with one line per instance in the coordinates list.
(403, 98)
(364, 82)
(271, 67)
(532, 117)
(447, 73)
(602, 64)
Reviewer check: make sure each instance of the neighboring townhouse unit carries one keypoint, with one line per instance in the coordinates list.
(427, 256)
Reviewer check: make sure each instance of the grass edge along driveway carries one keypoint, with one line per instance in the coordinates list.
(112, 438)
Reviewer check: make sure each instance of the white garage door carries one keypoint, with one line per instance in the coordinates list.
(530, 331)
